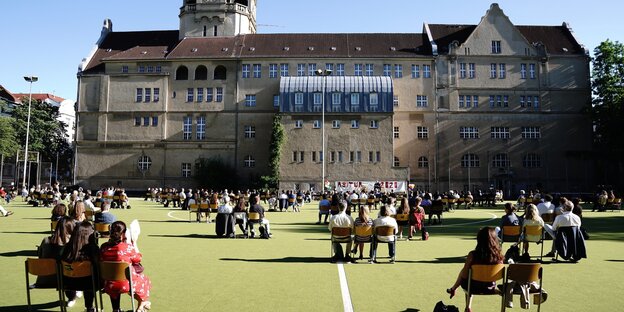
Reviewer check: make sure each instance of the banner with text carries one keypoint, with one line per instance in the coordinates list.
(384, 186)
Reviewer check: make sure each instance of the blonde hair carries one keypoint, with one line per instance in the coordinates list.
(532, 213)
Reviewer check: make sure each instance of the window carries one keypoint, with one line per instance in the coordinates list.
(150, 68)
(374, 124)
(532, 71)
(398, 71)
(332, 156)
(370, 69)
(249, 162)
(336, 101)
(215, 31)
(187, 128)
(276, 100)
(470, 161)
(523, 71)
(531, 160)
(387, 70)
(272, 70)
(186, 170)
(423, 162)
(201, 128)
(298, 124)
(201, 72)
(340, 69)
(373, 99)
(200, 95)
(154, 121)
(502, 73)
(219, 97)
(250, 132)
(190, 94)
(336, 124)
(531, 133)
(500, 161)
(340, 159)
(316, 124)
(156, 94)
(357, 70)
(320, 155)
(148, 95)
(422, 132)
(395, 132)
(468, 132)
(468, 101)
(421, 101)
(146, 121)
(395, 100)
(220, 73)
(426, 71)
(371, 156)
(471, 71)
(124, 68)
(330, 67)
(139, 95)
(313, 154)
(415, 71)
(396, 162)
(499, 101)
(145, 162)
(475, 101)
(182, 73)
(462, 70)
(505, 100)
(294, 156)
(311, 69)
(301, 156)
(209, 94)
(499, 132)
(355, 102)
(158, 68)
(318, 99)
(355, 124)
(284, 70)
(358, 156)
(301, 70)
(493, 73)
(492, 101)
(141, 69)
(460, 101)
(299, 98)
(137, 121)
(257, 71)
(496, 47)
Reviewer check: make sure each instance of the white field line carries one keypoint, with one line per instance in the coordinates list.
(494, 217)
(172, 217)
(344, 289)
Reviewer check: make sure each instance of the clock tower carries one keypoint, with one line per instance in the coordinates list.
(217, 18)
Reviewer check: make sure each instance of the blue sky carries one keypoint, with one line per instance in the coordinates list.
(48, 38)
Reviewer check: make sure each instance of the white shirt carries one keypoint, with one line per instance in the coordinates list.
(340, 220)
(225, 208)
(545, 207)
(353, 198)
(566, 219)
(386, 221)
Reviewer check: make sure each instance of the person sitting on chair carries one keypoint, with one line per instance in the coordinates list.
(566, 219)
(341, 219)
(105, 216)
(240, 215)
(225, 221)
(256, 207)
(323, 211)
(509, 219)
(384, 220)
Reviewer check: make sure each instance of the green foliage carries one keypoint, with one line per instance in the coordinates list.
(214, 173)
(8, 145)
(608, 91)
(278, 139)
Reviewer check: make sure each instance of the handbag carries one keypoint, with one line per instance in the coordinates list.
(441, 307)
(138, 267)
(425, 235)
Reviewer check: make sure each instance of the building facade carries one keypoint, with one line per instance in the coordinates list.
(452, 107)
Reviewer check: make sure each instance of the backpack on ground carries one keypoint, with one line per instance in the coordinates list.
(263, 232)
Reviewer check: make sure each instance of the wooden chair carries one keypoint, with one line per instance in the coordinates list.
(340, 235)
(53, 225)
(617, 204)
(525, 273)
(548, 218)
(485, 273)
(41, 267)
(89, 215)
(402, 216)
(324, 209)
(102, 230)
(511, 234)
(532, 231)
(194, 209)
(363, 235)
(253, 218)
(77, 270)
(117, 271)
(385, 230)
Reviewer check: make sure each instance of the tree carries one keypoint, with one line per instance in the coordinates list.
(277, 141)
(214, 173)
(8, 144)
(608, 91)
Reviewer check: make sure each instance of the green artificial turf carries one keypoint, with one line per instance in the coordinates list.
(191, 270)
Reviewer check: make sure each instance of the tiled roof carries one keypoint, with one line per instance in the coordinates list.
(40, 97)
(444, 34)
(7, 95)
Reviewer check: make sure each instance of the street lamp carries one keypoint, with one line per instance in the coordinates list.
(323, 73)
(30, 79)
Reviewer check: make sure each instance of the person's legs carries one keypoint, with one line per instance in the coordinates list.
(115, 301)
(391, 246)
(3, 211)
(373, 252)
(265, 222)
(88, 298)
(468, 303)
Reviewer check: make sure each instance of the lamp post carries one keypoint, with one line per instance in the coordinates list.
(323, 73)
(30, 79)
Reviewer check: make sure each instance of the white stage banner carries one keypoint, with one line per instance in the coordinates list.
(386, 186)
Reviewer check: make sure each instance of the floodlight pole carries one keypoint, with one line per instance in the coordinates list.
(30, 79)
(323, 74)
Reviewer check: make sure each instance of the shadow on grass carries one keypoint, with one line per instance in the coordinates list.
(284, 260)
(37, 233)
(204, 236)
(34, 307)
(411, 310)
(613, 260)
(21, 253)
(36, 218)
(166, 221)
(445, 260)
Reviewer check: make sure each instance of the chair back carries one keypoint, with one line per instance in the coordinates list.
(194, 207)
(341, 231)
(41, 267)
(324, 208)
(89, 214)
(533, 231)
(548, 217)
(115, 271)
(53, 225)
(402, 216)
(203, 206)
(384, 230)
(364, 230)
(102, 227)
(487, 272)
(254, 216)
(511, 233)
(524, 273)
(76, 269)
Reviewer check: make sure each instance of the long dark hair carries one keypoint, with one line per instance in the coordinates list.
(63, 230)
(488, 248)
(77, 249)
(404, 206)
(117, 232)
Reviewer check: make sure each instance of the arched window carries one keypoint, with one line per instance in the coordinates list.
(423, 162)
(144, 164)
(500, 161)
(531, 160)
(250, 162)
(182, 73)
(470, 161)
(201, 73)
(220, 73)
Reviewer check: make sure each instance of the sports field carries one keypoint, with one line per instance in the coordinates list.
(192, 270)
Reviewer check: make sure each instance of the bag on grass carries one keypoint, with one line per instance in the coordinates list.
(441, 307)
(425, 234)
(263, 232)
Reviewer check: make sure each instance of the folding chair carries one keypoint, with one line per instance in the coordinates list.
(204, 208)
(117, 271)
(77, 270)
(340, 235)
(89, 215)
(194, 209)
(384, 230)
(41, 267)
(402, 218)
(525, 273)
(253, 218)
(240, 217)
(533, 231)
(548, 218)
(485, 273)
(102, 230)
(363, 235)
(511, 234)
